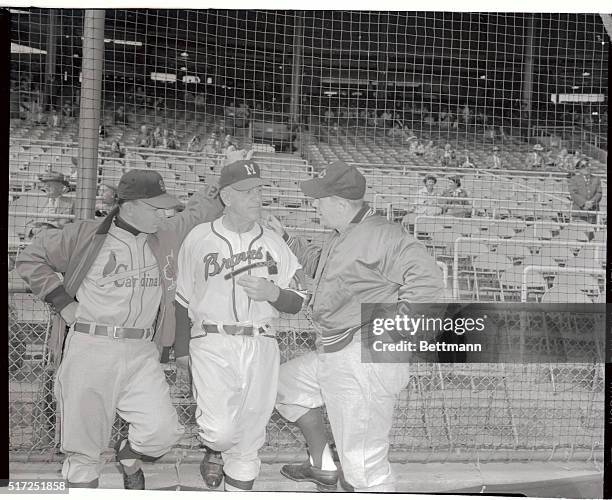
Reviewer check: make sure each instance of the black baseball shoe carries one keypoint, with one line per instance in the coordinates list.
(135, 481)
(326, 480)
(211, 468)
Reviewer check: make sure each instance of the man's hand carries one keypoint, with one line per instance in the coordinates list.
(588, 205)
(68, 313)
(273, 223)
(259, 289)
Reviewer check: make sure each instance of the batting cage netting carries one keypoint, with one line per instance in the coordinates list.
(470, 129)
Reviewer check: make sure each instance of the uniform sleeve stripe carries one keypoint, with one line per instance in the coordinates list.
(182, 300)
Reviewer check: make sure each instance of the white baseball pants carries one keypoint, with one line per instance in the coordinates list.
(234, 385)
(359, 398)
(99, 375)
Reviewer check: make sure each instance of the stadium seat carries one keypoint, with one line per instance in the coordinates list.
(560, 294)
(512, 281)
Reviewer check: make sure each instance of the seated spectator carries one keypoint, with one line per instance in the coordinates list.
(431, 151)
(420, 149)
(157, 140)
(585, 191)
(563, 161)
(427, 202)
(102, 131)
(536, 158)
(210, 147)
(195, 144)
(494, 161)
(448, 156)
(172, 141)
(467, 163)
(67, 110)
(55, 119)
(396, 131)
(106, 199)
(116, 150)
(55, 185)
(144, 138)
(453, 199)
(233, 154)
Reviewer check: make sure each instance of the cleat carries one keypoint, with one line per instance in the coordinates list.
(135, 481)
(211, 468)
(326, 480)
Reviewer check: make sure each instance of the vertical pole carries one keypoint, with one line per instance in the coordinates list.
(527, 91)
(90, 111)
(50, 62)
(296, 69)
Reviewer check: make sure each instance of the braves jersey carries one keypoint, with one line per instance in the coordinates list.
(122, 287)
(211, 261)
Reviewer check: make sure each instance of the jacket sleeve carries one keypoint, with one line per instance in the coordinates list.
(308, 255)
(577, 197)
(597, 196)
(42, 260)
(204, 206)
(417, 273)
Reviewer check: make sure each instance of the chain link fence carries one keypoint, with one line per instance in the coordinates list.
(551, 408)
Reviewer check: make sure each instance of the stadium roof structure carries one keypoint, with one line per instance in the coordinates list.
(440, 49)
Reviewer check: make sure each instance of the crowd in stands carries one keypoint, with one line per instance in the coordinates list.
(430, 201)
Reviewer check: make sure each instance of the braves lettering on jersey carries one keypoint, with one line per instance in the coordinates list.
(211, 261)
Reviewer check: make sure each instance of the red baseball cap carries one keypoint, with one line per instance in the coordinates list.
(242, 175)
(337, 179)
(145, 185)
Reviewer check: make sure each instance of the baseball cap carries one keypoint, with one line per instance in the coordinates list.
(454, 178)
(582, 163)
(145, 185)
(53, 177)
(242, 175)
(337, 179)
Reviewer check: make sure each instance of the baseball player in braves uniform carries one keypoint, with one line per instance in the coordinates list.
(233, 281)
(117, 296)
(366, 259)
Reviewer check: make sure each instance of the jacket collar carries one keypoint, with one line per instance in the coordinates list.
(363, 212)
(120, 223)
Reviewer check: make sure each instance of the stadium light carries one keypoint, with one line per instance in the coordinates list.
(25, 49)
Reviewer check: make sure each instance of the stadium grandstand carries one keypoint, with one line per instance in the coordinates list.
(507, 103)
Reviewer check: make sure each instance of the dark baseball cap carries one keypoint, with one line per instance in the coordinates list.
(52, 176)
(242, 175)
(337, 179)
(145, 185)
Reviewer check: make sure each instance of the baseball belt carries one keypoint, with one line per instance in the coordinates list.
(247, 331)
(114, 332)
